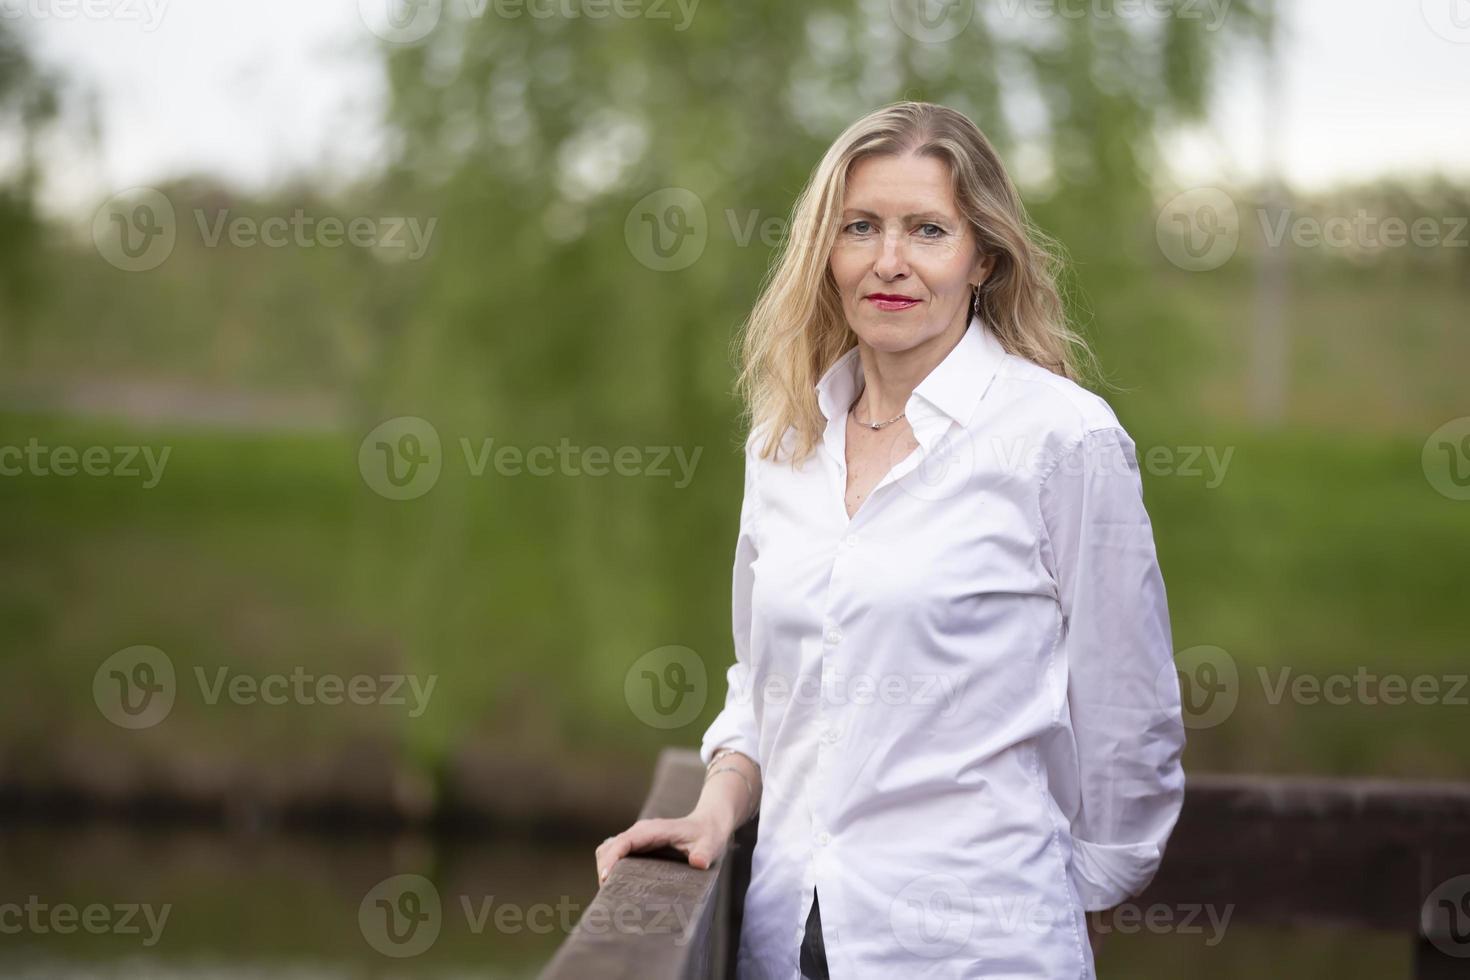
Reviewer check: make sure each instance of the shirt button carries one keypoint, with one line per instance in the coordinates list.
(831, 735)
(850, 540)
(824, 838)
(834, 637)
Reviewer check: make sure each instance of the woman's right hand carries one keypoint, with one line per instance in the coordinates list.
(700, 836)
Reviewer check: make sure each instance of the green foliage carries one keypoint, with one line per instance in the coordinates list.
(532, 321)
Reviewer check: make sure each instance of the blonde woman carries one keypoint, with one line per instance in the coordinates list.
(953, 702)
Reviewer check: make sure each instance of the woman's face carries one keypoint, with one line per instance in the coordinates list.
(904, 259)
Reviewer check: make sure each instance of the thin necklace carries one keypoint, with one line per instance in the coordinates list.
(873, 425)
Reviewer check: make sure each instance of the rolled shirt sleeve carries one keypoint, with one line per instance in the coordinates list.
(736, 725)
(1122, 691)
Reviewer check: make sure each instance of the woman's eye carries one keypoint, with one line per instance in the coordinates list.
(930, 230)
(860, 227)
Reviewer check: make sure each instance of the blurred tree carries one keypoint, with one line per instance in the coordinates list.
(537, 139)
(28, 101)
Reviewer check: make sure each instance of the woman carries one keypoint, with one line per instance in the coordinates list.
(953, 700)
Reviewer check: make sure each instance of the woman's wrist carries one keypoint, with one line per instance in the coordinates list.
(730, 795)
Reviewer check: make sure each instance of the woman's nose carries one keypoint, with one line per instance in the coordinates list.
(891, 258)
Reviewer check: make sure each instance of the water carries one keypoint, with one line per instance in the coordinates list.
(122, 904)
(252, 907)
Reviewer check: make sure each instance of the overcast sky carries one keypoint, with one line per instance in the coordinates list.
(254, 91)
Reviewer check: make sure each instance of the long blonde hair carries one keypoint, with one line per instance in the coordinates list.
(797, 328)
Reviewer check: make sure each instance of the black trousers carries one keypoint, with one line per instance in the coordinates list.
(813, 953)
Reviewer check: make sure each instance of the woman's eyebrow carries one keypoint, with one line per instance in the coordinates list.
(926, 215)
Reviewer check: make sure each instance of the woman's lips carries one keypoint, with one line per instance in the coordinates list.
(891, 303)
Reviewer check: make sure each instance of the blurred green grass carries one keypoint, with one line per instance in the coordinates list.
(1316, 552)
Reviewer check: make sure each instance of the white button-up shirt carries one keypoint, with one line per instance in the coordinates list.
(962, 699)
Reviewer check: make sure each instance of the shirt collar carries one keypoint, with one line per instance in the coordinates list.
(952, 389)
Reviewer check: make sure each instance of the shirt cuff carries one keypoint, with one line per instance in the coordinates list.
(722, 734)
(1109, 874)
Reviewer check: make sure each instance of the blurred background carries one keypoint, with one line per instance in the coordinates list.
(367, 436)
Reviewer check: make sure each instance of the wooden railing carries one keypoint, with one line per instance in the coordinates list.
(656, 917)
(1275, 850)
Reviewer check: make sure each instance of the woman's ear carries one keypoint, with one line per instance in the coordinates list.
(983, 270)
